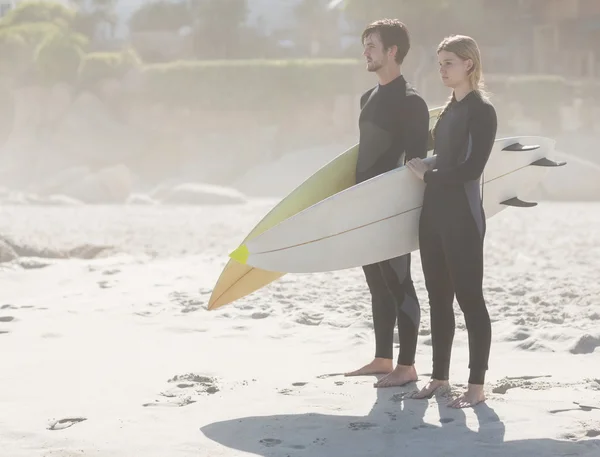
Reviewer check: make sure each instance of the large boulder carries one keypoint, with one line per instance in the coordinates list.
(108, 185)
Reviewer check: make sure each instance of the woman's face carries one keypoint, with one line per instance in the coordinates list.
(453, 70)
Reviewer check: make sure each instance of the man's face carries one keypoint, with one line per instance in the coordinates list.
(376, 56)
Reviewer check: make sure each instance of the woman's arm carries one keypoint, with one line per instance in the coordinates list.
(483, 124)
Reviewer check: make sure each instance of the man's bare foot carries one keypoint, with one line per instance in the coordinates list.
(401, 375)
(377, 366)
(432, 387)
(473, 396)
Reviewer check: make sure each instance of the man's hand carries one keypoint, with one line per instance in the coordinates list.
(418, 167)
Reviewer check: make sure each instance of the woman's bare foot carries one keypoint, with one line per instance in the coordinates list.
(473, 396)
(402, 374)
(432, 387)
(377, 366)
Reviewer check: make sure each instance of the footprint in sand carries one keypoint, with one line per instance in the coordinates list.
(61, 424)
(330, 375)
(524, 382)
(309, 319)
(291, 391)
(585, 345)
(105, 284)
(591, 430)
(355, 426)
(578, 407)
(270, 442)
(186, 304)
(186, 388)
(5, 319)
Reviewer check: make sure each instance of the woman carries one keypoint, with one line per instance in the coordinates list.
(452, 224)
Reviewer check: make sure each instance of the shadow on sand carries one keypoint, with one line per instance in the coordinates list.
(395, 426)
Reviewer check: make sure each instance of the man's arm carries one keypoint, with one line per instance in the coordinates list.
(365, 97)
(483, 126)
(416, 128)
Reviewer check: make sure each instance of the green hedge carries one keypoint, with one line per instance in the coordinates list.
(248, 84)
(43, 12)
(58, 58)
(98, 66)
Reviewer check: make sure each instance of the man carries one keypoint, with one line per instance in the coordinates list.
(394, 126)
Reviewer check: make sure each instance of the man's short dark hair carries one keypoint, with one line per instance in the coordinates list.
(392, 32)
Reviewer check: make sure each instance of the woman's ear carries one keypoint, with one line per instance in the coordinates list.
(470, 65)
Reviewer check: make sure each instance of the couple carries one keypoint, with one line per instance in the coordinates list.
(394, 120)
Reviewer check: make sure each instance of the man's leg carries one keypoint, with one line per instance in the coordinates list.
(399, 281)
(384, 321)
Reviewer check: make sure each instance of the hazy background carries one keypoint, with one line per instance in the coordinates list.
(113, 101)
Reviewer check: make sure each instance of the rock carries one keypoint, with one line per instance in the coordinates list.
(109, 185)
(57, 182)
(278, 178)
(60, 200)
(141, 199)
(203, 194)
(90, 132)
(7, 253)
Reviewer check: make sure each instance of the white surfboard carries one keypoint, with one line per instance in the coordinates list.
(378, 219)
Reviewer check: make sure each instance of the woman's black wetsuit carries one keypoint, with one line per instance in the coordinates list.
(452, 228)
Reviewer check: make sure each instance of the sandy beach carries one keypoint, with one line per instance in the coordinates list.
(117, 355)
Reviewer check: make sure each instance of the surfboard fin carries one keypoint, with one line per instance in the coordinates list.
(520, 147)
(517, 202)
(548, 163)
(241, 254)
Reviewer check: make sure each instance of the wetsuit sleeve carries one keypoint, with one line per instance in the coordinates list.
(416, 128)
(364, 97)
(483, 124)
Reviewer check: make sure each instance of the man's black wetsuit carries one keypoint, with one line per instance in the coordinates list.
(393, 123)
(452, 228)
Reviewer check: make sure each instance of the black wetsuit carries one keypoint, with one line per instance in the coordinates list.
(394, 125)
(452, 229)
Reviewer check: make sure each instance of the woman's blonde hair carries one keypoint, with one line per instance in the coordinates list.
(465, 48)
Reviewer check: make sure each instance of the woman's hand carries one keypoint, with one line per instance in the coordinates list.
(418, 167)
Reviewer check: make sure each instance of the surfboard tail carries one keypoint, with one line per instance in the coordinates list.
(518, 203)
(545, 162)
(521, 147)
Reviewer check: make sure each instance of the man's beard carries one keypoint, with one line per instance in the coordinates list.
(373, 66)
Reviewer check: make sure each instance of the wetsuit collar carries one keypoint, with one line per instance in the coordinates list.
(466, 98)
(397, 80)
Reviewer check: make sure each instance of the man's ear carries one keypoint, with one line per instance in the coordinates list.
(392, 51)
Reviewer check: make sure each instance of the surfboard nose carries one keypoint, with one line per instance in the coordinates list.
(241, 254)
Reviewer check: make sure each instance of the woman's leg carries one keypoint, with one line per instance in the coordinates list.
(464, 254)
(441, 297)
